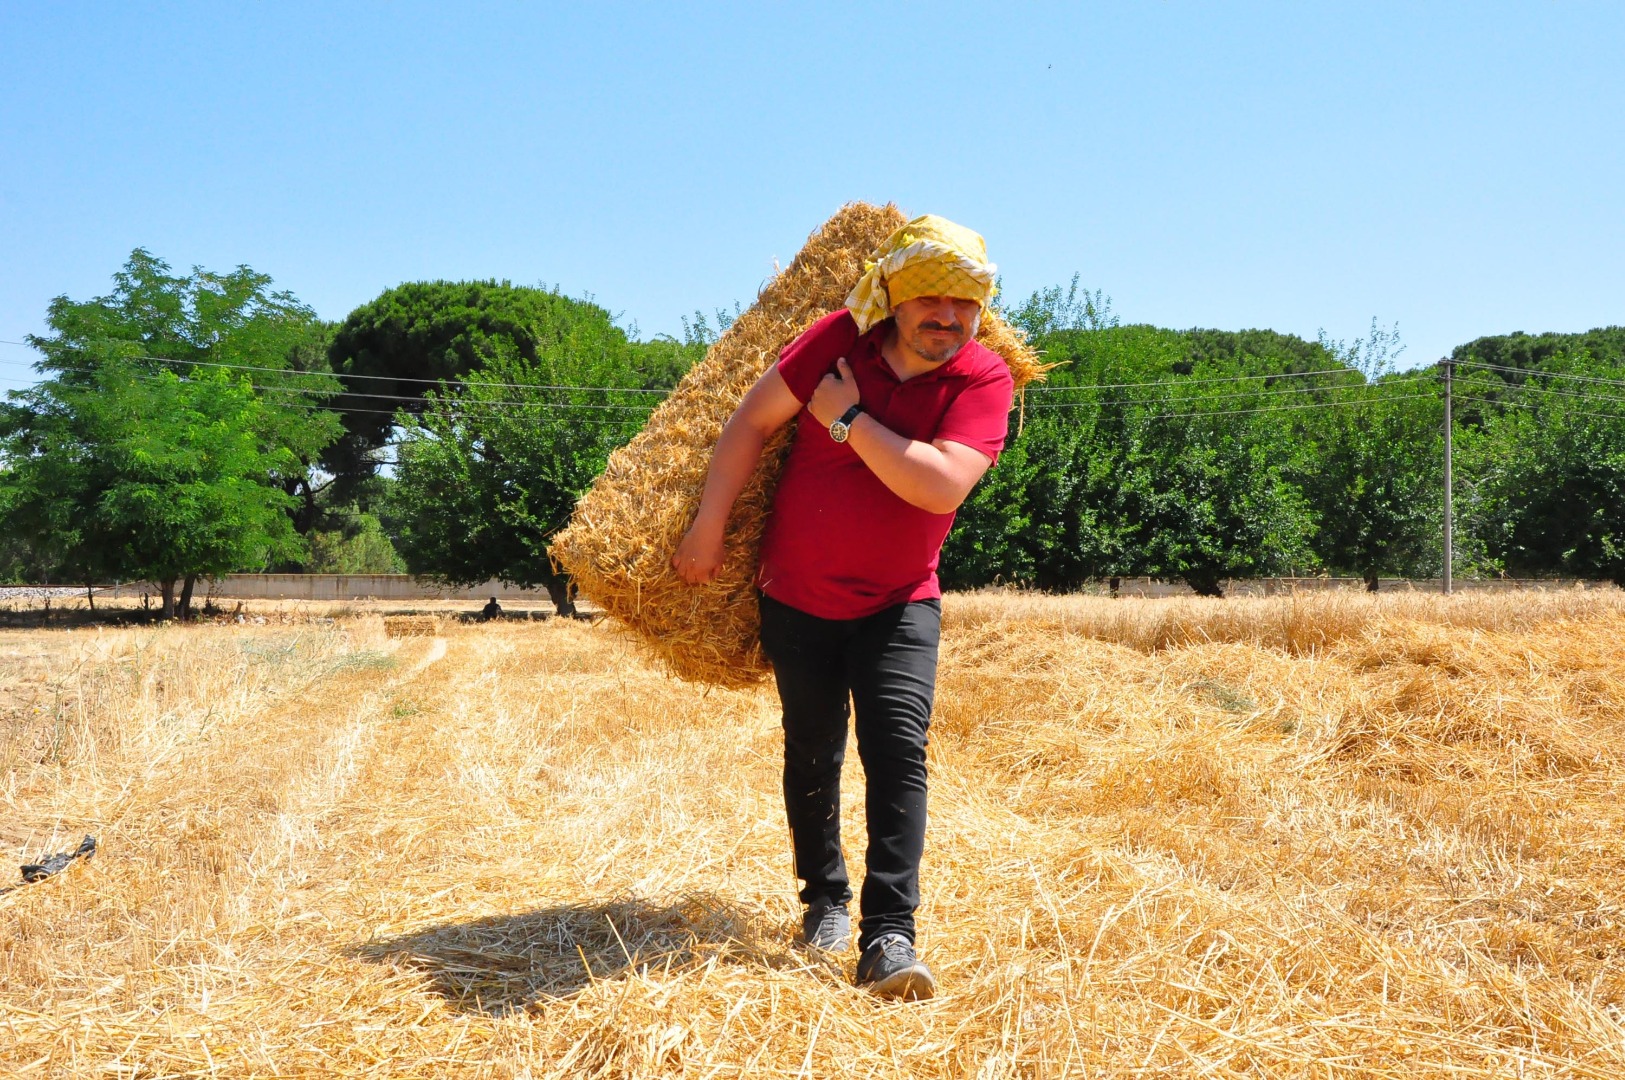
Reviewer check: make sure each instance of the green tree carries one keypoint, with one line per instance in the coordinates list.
(1046, 515)
(441, 331)
(1602, 348)
(155, 320)
(1371, 467)
(1372, 475)
(20, 564)
(1206, 499)
(1057, 308)
(1032, 521)
(1131, 464)
(1040, 517)
(1230, 352)
(993, 539)
(131, 476)
(488, 473)
(151, 452)
(360, 547)
(1541, 464)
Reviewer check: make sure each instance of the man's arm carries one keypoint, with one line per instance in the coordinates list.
(934, 476)
(767, 407)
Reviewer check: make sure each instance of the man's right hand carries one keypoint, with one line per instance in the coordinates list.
(767, 407)
(698, 558)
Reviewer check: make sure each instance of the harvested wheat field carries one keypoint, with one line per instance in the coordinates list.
(1326, 836)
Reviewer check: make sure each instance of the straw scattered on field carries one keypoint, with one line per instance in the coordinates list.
(625, 529)
(1319, 836)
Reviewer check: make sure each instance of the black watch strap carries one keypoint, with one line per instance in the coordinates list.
(850, 415)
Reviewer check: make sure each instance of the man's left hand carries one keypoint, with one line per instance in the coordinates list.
(837, 393)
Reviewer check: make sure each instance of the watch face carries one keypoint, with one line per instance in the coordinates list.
(837, 431)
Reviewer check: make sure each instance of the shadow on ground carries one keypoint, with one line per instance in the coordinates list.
(504, 963)
(40, 618)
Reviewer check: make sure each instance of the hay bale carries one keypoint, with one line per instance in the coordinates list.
(399, 626)
(619, 542)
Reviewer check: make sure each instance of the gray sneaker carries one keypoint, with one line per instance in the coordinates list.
(889, 969)
(826, 927)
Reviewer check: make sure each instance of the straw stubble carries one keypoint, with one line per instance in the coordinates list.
(1331, 836)
(625, 528)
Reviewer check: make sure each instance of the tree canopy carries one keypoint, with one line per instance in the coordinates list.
(143, 457)
(1543, 453)
(488, 472)
(1134, 461)
(414, 337)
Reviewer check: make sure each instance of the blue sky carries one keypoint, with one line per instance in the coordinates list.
(1454, 168)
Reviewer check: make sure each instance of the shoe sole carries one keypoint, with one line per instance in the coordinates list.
(910, 984)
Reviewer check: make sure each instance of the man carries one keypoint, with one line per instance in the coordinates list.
(898, 414)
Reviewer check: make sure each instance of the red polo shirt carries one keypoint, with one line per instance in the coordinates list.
(840, 544)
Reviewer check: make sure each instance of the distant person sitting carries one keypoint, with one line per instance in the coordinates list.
(493, 610)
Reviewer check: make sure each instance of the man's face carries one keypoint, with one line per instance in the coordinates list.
(937, 327)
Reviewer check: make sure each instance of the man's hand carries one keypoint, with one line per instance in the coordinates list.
(698, 558)
(837, 393)
(767, 407)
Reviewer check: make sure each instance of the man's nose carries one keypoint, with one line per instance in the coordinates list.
(944, 312)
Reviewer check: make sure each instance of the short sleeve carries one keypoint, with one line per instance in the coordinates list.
(806, 360)
(979, 417)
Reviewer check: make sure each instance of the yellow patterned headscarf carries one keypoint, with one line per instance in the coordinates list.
(930, 256)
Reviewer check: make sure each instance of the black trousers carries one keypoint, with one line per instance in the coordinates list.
(886, 664)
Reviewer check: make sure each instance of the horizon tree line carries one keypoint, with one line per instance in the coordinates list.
(193, 425)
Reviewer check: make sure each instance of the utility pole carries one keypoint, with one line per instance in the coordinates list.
(1449, 550)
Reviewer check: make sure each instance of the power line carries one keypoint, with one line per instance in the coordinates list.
(1160, 416)
(1255, 394)
(459, 402)
(1183, 382)
(1289, 408)
(1582, 395)
(1180, 382)
(465, 408)
(193, 363)
(458, 413)
(339, 375)
(403, 398)
(1526, 405)
(1187, 381)
(469, 409)
(1537, 373)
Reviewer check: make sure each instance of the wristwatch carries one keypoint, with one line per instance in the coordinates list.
(843, 427)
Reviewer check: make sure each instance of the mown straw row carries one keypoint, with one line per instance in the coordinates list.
(624, 530)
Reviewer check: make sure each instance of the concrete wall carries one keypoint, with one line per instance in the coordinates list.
(342, 587)
(404, 587)
(1283, 585)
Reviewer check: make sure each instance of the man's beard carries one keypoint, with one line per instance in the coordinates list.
(939, 352)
